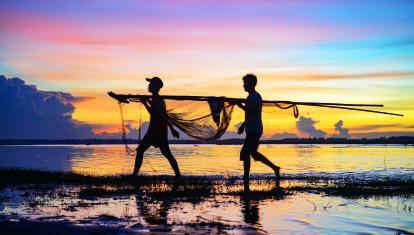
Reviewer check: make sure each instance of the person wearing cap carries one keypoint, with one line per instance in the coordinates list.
(157, 133)
(253, 127)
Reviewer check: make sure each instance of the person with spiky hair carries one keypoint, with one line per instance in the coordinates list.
(253, 127)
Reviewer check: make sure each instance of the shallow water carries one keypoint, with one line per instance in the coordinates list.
(213, 159)
(309, 212)
(301, 212)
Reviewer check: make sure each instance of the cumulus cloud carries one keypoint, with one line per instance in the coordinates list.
(284, 135)
(131, 132)
(342, 132)
(233, 134)
(307, 126)
(29, 113)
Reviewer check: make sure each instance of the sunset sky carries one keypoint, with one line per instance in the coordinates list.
(316, 51)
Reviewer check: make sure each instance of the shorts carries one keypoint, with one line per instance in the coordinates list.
(155, 138)
(250, 145)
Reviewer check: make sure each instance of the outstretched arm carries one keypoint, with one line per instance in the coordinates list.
(240, 105)
(147, 106)
(118, 97)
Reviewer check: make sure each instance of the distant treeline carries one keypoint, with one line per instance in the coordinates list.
(406, 140)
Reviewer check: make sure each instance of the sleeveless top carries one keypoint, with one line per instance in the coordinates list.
(253, 113)
(157, 120)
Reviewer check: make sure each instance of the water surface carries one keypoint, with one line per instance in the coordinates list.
(310, 212)
(212, 159)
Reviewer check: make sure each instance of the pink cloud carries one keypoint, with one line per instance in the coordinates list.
(153, 35)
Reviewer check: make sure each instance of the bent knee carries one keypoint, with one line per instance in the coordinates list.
(257, 156)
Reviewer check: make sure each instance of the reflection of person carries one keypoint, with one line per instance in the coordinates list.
(157, 133)
(250, 205)
(154, 212)
(250, 211)
(254, 128)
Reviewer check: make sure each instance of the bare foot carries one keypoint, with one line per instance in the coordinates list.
(277, 183)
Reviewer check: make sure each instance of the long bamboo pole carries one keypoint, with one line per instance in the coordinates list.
(136, 98)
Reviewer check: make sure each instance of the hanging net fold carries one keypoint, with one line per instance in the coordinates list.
(124, 138)
(207, 127)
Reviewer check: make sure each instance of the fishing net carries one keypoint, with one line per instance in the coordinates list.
(207, 118)
(202, 123)
(124, 138)
(202, 120)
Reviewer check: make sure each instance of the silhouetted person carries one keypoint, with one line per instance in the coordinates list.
(254, 129)
(157, 133)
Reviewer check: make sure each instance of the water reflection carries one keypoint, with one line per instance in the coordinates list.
(56, 158)
(250, 210)
(154, 212)
(209, 159)
(168, 208)
(275, 212)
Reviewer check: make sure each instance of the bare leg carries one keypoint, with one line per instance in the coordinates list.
(245, 156)
(246, 164)
(260, 157)
(165, 150)
(140, 156)
(246, 179)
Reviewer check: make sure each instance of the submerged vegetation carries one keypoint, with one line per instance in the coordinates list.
(122, 204)
(203, 186)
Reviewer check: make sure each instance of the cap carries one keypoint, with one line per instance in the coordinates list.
(156, 80)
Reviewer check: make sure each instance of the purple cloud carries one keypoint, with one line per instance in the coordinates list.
(307, 126)
(29, 113)
(342, 132)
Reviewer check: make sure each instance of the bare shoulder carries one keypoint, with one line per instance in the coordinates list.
(159, 103)
(256, 97)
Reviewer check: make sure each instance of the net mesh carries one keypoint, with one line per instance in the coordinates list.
(202, 120)
(128, 150)
(207, 126)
